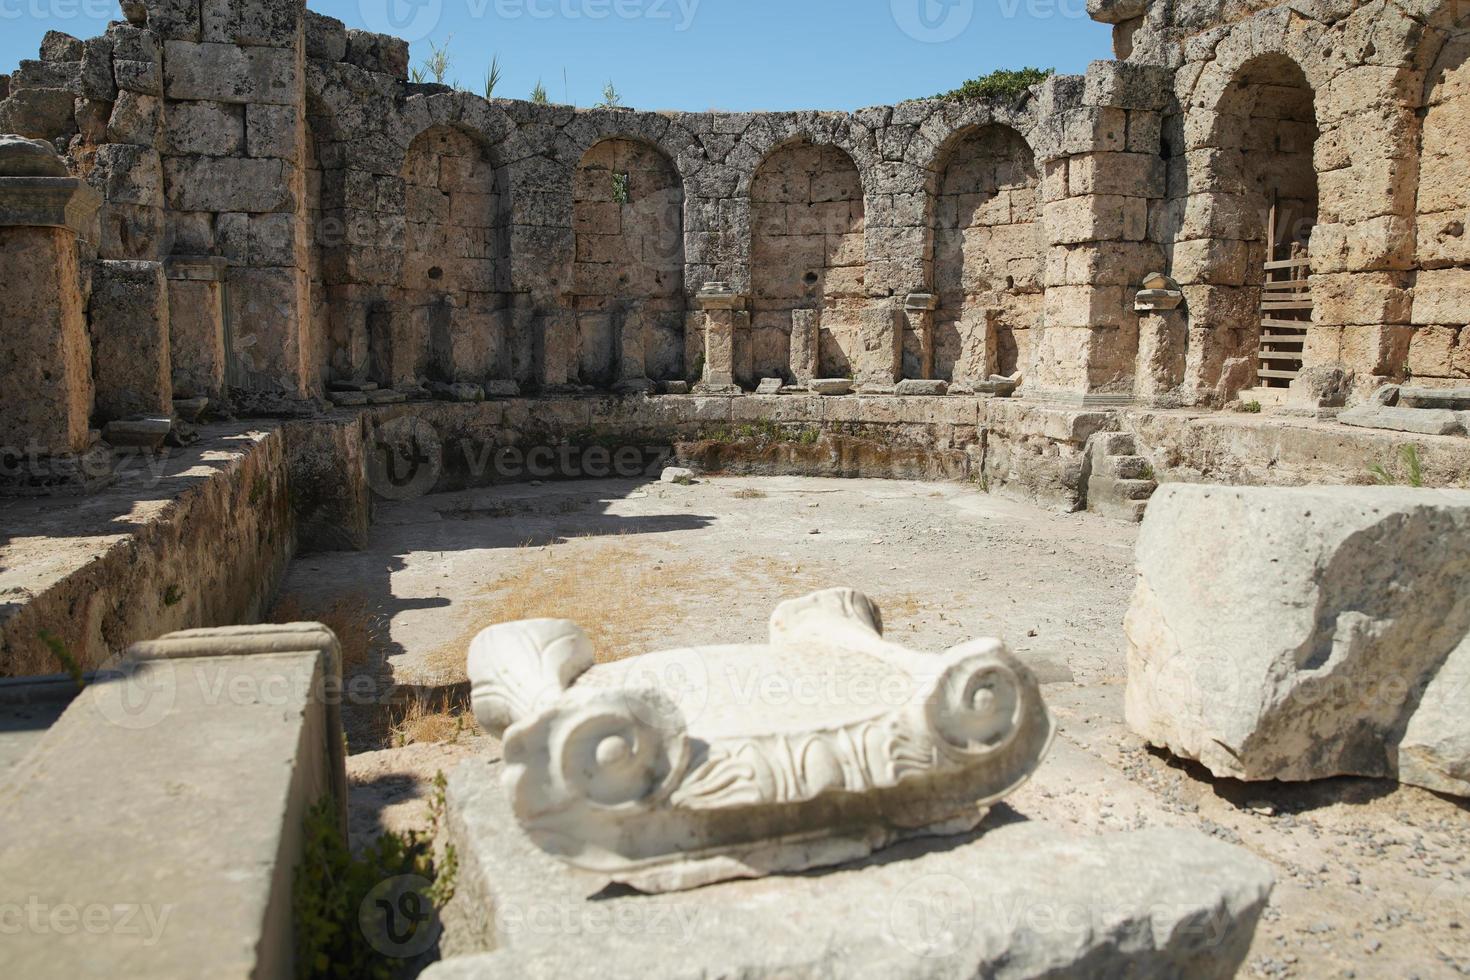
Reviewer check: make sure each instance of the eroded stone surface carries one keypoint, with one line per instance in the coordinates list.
(1304, 633)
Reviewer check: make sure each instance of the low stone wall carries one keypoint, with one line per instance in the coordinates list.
(205, 544)
(197, 539)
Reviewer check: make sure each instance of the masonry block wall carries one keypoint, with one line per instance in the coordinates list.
(375, 229)
(1383, 82)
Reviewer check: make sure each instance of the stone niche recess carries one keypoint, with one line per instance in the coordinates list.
(368, 230)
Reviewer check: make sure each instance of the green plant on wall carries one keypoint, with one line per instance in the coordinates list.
(538, 94)
(332, 886)
(492, 77)
(611, 98)
(1406, 471)
(1003, 83)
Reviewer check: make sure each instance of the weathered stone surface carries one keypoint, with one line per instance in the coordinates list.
(21, 157)
(676, 474)
(689, 782)
(45, 356)
(1430, 422)
(1294, 634)
(830, 386)
(1156, 903)
(1452, 399)
(146, 433)
(916, 386)
(130, 339)
(228, 73)
(227, 184)
(158, 725)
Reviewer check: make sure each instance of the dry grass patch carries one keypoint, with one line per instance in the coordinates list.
(431, 720)
(351, 617)
(749, 493)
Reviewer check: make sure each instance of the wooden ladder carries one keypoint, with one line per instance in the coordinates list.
(1286, 312)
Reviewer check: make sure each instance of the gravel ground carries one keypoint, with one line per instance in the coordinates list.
(1372, 877)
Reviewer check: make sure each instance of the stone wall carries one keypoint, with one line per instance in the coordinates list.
(1384, 252)
(374, 229)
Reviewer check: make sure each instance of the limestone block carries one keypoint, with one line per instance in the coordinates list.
(1220, 262)
(1087, 306)
(1100, 217)
(1162, 343)
(196, 326)
(1376, 349)
(1123, 174)
(227, 184)
(1429, 422)
(326, 37)
(96, 79)
(130, 339)
(205, 128)
(45, 356)
(806, 330)
(138, 76)
(1128, 86)
(1361, 298)
(267, 308)
(56, 46)
(378, 53)
(1385, 242)
(272, 23)
(1439, 352)
(1188, 903)
(1290, 633)
(1454, 399)
(1441, 238)
(135, 119)
(46, 74)
(37, 113)
(227, 718)
(876, 333)
(128, 174)
(229, 73)
(1442, 296)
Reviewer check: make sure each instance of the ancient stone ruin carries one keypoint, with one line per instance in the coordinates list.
(361, 436)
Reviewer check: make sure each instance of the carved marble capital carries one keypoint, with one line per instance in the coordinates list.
(685, 767)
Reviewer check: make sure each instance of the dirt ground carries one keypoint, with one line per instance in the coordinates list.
(1372, 877)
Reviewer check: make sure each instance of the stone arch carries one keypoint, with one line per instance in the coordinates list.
(1439, 344)
(987, 254)
(628, 271)
(452, 282)
(1257, 152)
(807, 256)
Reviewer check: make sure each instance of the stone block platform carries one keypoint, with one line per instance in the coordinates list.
(1019, 900)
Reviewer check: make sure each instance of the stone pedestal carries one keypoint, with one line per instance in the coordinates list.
(45, 355)
(557, 346)
(955, 908)
(722, 309)
(918, 312)
(805, 356)
(1163, 333)
(196, 325)
(632, 356)
(130, 338)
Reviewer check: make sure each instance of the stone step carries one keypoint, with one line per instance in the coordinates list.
(1129, 467)
(1135, 489)
(1117, 443)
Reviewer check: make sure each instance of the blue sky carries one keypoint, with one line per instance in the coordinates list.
(690, 54)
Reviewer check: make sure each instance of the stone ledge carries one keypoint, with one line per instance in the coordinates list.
(173, 796)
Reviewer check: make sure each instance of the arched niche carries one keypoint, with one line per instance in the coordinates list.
(628, 277)
(988, 255)
(807, 253)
